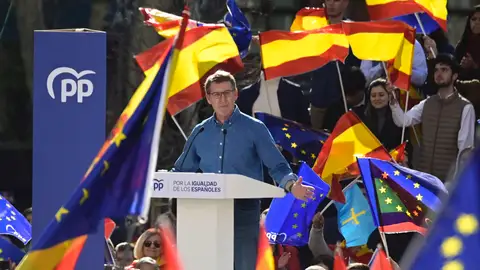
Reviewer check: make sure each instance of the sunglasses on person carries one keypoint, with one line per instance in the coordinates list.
(149, 244)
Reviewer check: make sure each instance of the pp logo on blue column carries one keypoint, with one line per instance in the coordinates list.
(70, 87)
(157, 184)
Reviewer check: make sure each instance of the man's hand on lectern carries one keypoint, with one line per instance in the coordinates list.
(301, 191)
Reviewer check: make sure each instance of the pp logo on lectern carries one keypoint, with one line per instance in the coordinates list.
(157, 184)
(82, 88)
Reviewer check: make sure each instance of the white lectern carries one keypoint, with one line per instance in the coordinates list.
(205, 213)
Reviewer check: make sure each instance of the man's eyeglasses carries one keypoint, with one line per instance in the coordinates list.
(218, 95)
(149, 244)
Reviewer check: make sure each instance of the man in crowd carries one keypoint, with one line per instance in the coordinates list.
(448, 120)
(234, 143)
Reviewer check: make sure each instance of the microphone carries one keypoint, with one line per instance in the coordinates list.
(190, 146)
(223, 148)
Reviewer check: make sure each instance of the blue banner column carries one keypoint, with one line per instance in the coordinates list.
(69, 110)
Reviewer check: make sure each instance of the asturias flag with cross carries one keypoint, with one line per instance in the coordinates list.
(355, 220)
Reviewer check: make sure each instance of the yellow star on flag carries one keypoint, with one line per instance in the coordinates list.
(396, 173)
(388, 201)
(451, 247)
(466, 224)
(294, 145)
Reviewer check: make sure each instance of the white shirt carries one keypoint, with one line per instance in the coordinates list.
(466, 134)
(419, 67)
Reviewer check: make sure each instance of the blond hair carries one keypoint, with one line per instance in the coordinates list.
(218, 77)
(138, 249)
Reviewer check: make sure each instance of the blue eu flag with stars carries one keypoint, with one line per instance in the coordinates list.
(454, 239)
(9, 251)
(302, 142)
(13, 223)
(239, 27)
(288, 218)
(429, 24)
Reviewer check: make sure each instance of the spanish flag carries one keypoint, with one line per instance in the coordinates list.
(309, 19)
(117, 183)
(167, 25)
(291, 53)
(385, 9)
(205, 49)
(386, 41)
(350, 139)
(265, 259)
(398, 154)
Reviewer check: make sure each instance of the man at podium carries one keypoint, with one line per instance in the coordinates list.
(232, 142)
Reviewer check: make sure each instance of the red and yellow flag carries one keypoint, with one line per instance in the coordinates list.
(350, 139)
(291, 53)
(338, 259)
(380, 261)
(385, 9)
(386, 41)
(166, 24)
(205, 50)
(309, 18)
(398, 154)
(265, 259)
(170, 253)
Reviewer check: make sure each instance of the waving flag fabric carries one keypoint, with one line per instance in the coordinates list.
(167, 25)
(116, 183)
(302, 142)
(401, 199)
(387, 41)
(398, 154)
(9, 251)
(355, 220)
(309, 18)
(429, 24)
(265, 259)
(350, 139)
(205, 50)
(239, 27)
(281, 56)
(288, 219)
(13, 222)
(384, 9)
(453, 241)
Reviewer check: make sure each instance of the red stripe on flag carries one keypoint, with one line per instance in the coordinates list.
(306, 64)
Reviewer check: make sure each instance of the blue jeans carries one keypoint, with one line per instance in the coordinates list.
(245, 246)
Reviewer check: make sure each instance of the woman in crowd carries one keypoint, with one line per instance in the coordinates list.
(467, 50)
(149, 244)
(378, 116)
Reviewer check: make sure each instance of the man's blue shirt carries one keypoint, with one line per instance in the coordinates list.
(243, 148)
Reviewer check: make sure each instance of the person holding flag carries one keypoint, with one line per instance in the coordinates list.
(235, 143)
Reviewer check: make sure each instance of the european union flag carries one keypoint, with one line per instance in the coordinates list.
(302, 142)
(13, 223)
(239, 27)
(453, 241)
(288, 218)
(400, 198)
(429, 24)
(355, 220)
(9, 251)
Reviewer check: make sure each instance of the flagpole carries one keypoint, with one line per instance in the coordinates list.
(405, 112)
(423, 32)
(356, 180)
(179, 127)
(406, 101)
(341, 86)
